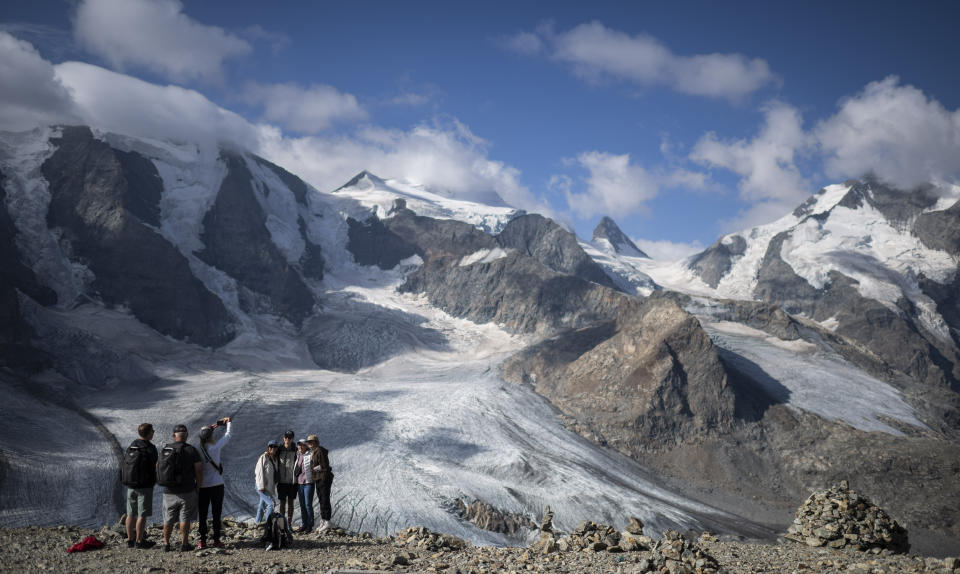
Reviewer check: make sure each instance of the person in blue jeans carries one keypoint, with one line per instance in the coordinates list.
(266, 476)
(305, 486)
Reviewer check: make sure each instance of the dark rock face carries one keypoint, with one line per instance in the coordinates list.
(940, 229)
(434, 238)
(372, 243)
(296, 185)
(256, 262)
(896, 337)
(897, 206)
(517, 292)
(15, 333)
(311, 262)
(553, 246)
(609, 230)
(947, 298)
(106, 223)
(647, 378)
(715, 261)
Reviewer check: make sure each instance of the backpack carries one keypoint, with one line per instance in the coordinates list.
(275, 532)
(136, 470)
(170, 466)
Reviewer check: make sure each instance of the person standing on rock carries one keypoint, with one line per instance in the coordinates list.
(286, 479)
(305, 486)
(211, 483)
(179, 471)
(323, 475)
(266, 476)
(139, 474)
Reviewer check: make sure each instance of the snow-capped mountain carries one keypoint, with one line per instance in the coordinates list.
(487, 212)
(607, 236)
(169, 282)
(620, 258)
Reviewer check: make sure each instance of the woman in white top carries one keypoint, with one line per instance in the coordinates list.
(211, 483)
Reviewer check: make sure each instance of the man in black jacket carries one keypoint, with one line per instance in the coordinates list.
(143, 458)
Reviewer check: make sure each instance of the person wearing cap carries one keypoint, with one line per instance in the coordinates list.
(140, 498)
(266, 476)
(286, 479)
(323, 477)
(180, 502)
(211, 483)
(305, 486)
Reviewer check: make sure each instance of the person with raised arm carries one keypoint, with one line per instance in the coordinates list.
(211, 483)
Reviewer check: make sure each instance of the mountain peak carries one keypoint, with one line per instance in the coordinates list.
(607, 231)
(355, 180)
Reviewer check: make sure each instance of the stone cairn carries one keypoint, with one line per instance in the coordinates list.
(675, 554)
(420, 537)
(840, 518)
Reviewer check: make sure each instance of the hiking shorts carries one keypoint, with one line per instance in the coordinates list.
(140, 501)
(180, 507)
(287, 491)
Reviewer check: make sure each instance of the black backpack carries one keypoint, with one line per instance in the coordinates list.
(170, 466)
(275, 532)
(136, 470)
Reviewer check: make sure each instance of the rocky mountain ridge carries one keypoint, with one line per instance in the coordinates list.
(229, 250)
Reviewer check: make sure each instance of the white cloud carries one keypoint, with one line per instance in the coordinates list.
(767, 164)
(444, 155)
(596, 51)
(894, 131)
(665, 250)
(30, 92)
(155, 35)
(613, 185)
(525, 43)
(304, 110)
(127, 105)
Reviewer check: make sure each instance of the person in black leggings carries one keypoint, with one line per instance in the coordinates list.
(211, 485)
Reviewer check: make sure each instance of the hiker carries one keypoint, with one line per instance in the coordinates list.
(139, 474)
(211, 483)
(266, 475)
(323, 477)
(305, 486)
(286, 480)
(179, 471)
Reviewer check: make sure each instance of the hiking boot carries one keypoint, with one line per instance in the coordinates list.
(144, 544)
(218, 544)
(130, 543)
(201, 545)
(186, 547)
(166, 547)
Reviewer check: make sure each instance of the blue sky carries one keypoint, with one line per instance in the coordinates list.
(682, 121)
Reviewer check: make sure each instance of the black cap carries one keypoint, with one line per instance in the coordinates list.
(180, 428)
(272, 443)
(288, 434)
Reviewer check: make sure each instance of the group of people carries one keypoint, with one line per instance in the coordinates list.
(192, 481)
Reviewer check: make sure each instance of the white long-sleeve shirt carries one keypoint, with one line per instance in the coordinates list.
(210, 475)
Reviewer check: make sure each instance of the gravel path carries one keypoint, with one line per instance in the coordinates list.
(36, 549)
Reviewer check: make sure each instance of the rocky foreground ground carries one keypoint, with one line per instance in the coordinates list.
(416, 550)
